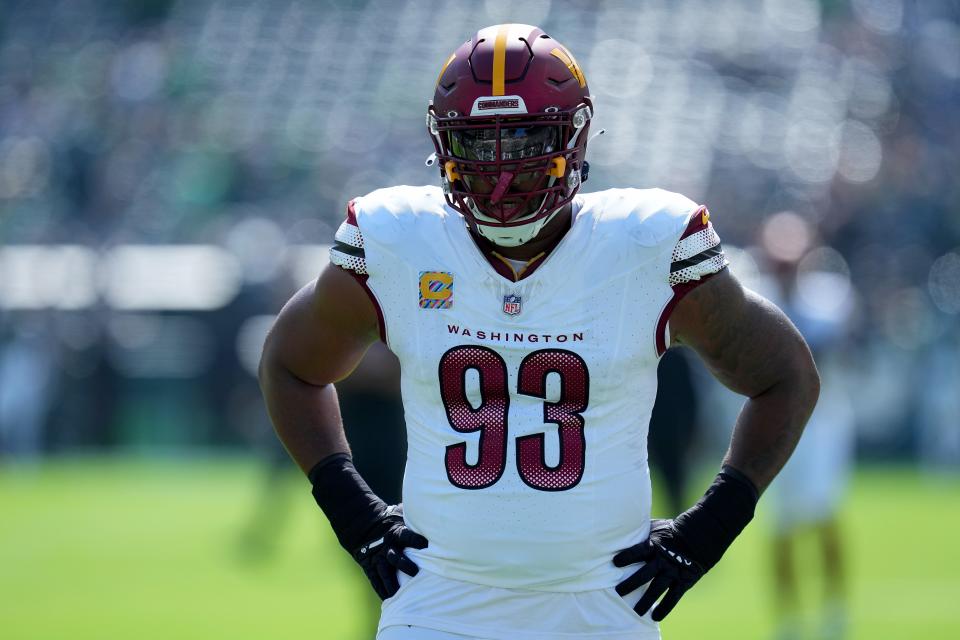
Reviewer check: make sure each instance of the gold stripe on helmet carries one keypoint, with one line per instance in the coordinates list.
(445, 65)
(567, 58)
(500, 59)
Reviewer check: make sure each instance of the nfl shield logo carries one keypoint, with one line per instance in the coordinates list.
(511, 304)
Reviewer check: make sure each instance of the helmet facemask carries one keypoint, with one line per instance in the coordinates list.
(516, 187)
(509, 173)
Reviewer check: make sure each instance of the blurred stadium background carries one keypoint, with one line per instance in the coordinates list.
(172, 170)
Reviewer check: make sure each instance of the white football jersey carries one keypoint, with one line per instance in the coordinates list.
(527, 402)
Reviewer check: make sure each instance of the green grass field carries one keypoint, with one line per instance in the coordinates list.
(106, 548)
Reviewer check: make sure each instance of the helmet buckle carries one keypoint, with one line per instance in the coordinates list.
(558, 166)
(450, 168)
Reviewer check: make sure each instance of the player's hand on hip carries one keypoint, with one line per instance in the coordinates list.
(370, 530)
(678, 552)
(383, 554)
(668, 567)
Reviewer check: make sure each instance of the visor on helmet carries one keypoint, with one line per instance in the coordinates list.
(516, 143)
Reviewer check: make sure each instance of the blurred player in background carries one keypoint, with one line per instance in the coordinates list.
(673, 426)
(27, 385)
(369, 396)
(806, 497)
(528, 321)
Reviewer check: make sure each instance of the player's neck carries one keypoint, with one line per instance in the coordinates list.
(544, 242)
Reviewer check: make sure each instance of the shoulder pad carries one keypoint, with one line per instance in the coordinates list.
(649, 216)
(385, 218)
(385, 212)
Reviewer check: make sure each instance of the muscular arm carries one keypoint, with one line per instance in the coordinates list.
(318, 339)
(754, 350)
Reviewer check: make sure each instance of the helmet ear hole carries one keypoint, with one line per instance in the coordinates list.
(558, 167)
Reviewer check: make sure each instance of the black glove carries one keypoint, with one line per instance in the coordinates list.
(669, 569)
(370, 530)
(382, 556)
(678, 552)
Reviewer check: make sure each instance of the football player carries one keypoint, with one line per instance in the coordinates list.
(528, 319)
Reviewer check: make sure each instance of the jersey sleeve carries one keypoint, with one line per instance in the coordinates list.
(348, 253)
(698, 253)
(347, 250)
(696, 256)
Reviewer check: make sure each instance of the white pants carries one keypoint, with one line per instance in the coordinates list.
(455, 610)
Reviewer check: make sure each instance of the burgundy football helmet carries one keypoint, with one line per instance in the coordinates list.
(510, 119)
